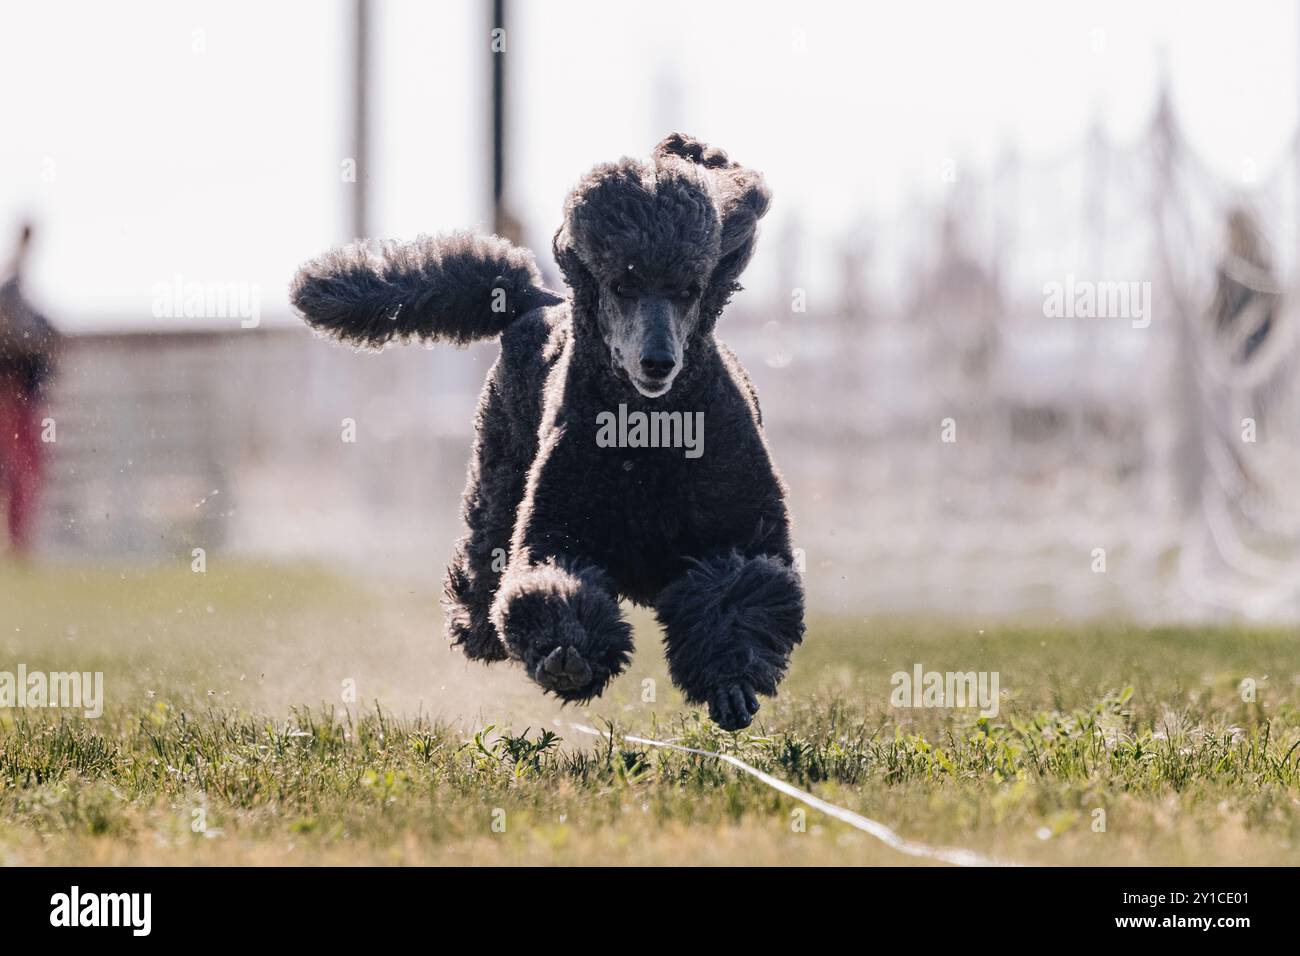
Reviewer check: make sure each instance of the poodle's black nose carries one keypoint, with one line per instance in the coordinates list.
(658, 363)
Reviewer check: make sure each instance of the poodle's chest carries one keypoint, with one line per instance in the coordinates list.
(644, 513)
(646, 495)
(643, 495)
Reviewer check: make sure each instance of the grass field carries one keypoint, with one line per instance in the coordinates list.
(226, 738)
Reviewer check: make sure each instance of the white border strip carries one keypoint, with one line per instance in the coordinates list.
(955, 856)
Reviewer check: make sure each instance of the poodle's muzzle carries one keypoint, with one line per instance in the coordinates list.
(647, 338)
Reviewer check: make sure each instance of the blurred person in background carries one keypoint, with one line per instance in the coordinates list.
(28, 344)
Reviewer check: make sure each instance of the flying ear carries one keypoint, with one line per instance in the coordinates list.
(595, 213)
(563, 248)
(743, 199)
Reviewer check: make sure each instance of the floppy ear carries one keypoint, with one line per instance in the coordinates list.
(564, 249)
(573, 247)
(743, 199)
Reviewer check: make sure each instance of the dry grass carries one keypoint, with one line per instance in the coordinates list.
(224, 706)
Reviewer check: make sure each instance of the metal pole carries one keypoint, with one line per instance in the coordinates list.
(500, 224)
(360, 131)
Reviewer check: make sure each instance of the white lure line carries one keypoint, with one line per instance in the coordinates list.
(955, 856)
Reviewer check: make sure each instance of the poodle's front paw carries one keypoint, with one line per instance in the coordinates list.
(563, 672)
(730, 623)
(733, 706)
(564, 627)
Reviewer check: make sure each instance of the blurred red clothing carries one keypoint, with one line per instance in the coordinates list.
(20, 459)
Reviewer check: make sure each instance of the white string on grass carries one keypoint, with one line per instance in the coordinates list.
(953, 855)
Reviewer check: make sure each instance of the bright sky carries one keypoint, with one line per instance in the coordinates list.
(206, 140)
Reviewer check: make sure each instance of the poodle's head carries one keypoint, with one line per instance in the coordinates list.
(652, 251)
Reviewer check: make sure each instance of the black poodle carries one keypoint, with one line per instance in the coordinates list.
(591, 479)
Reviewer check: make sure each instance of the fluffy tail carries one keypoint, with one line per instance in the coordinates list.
(456, 288)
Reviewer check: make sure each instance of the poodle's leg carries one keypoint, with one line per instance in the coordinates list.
(468, 590)
(730, 623)
(495, 485)
(561, 620)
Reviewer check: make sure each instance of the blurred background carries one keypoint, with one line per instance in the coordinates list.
(952, 440)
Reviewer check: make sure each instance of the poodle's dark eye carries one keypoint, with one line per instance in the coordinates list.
(690, 292)
(624, 291)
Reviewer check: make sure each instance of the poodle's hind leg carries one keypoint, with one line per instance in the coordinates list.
(562, 622)
(468, 590)
(493, 490)
(730, 624)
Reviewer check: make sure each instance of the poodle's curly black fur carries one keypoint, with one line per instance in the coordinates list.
(561, 526)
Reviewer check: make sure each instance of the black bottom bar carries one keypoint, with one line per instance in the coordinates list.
(333, 905)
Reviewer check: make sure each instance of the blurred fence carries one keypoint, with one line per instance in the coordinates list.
(234, 442)
(957, 445)
(1010, 429)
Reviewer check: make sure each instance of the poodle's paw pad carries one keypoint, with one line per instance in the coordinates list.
(733, 706)
(563, 671)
